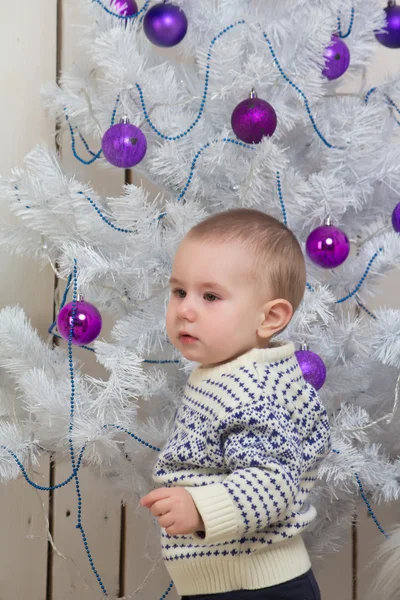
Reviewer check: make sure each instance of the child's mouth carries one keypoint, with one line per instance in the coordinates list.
(185, 338)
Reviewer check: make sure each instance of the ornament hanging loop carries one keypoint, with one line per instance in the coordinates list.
(328, 220)
(124, 120)
(253, 93)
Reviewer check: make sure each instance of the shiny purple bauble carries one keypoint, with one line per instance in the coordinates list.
(124, 145)
(396, 218)
(327, 246)
(390, 35)
(312, 367)
(87, 323)
(125, 8)
(252, 119)
(165, 25)
(337, 58)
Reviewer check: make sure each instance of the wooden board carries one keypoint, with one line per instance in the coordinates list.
(27, 47)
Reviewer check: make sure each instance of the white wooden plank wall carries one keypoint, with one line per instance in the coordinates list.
(27, 50)
(28, 44)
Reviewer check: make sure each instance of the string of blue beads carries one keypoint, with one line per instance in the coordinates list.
(367, 270)
(108, 222)
(339, 22)
(114, 112)
(162, 362)
(95, 155)
(369, 507)
(86, 144)
(369, 313)
(18, 198)
(392, 103)
(104, 218)
(197, 156)
(79, 525)
(132, 435)
(298, 90)
(167, 591)
(368, 94)
(388, 100)
(122, 17)
(366, 501)
(173, 138)
(71, 363)
(310, 287)
(43, 488)
(63, 301)
(280, 194)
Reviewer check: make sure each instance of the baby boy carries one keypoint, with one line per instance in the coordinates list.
(250, 432)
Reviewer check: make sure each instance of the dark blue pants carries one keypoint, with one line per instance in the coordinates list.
(302, 588)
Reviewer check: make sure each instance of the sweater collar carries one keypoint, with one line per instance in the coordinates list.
(277, 351)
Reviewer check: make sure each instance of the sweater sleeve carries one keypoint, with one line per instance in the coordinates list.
(266, 451)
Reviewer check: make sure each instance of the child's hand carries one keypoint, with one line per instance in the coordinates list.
(175, 510)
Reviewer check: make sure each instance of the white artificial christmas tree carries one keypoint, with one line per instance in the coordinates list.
(331, 154)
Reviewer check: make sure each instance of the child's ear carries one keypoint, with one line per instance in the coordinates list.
(276, 316)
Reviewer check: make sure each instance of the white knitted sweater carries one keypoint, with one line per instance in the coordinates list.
(246, 444)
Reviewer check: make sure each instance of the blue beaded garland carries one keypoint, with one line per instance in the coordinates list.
(387, 98)
(365, 309)
(95, 155)
(339, 22)
(104, 218)
(135, 437)
(298, 90)
(278, 178)
(173, 138)
(367, 270)
(366, 501)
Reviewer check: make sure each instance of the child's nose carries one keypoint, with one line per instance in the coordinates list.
(187, 310)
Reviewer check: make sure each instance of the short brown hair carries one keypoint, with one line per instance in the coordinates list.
(279, 258)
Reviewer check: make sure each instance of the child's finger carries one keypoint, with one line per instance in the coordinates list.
(155, 495)
(166, 521)
(161, 507)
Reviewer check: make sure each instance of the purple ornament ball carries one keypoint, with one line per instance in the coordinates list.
(125, 8)
(390, 35)
(87, 323)
(312, 367)
(165, 25)
(396, 218)
(252, 119)
(124, 145)
(327, 246)
(337, 58)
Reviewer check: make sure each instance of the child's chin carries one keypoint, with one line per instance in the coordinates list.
(190, 353)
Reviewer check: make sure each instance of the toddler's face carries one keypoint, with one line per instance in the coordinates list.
(215, 308)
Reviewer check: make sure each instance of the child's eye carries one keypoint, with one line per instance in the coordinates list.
(210, 297)
(179, 293)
